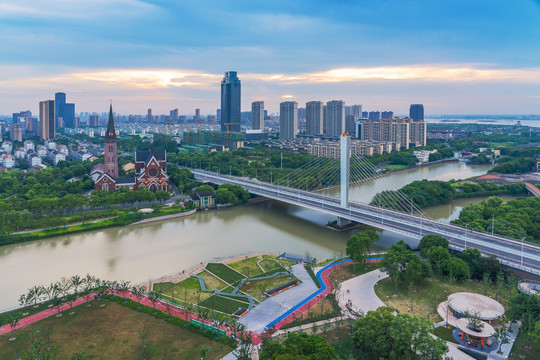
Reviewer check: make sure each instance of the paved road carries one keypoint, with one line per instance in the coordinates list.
(513, 253)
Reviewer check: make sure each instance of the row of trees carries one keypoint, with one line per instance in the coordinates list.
(228, 193)
(516, 219)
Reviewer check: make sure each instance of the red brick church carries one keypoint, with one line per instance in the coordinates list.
(150, 167)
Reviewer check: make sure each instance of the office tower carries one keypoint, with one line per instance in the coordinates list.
(387, 115)
(197, 114)
(68, 114)
(418, 132)
(174, 115)
(218, 115)
(111, 155)
(416, 112)
(374, 116)
(59, 102)
(149, 117)
(335, 118)
(350, 124)
(47, 120)
(230, 102)
(257, 115)
(314, 117)
(15, 132)
(288, 120)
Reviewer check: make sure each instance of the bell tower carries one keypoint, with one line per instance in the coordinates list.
(111, 154)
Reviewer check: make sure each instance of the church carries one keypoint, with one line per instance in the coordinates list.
(150, 167)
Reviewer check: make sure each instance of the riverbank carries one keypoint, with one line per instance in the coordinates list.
(116, 221)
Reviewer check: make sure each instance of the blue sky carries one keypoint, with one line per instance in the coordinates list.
(455, 56)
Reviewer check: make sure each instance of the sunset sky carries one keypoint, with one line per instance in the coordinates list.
(454, 56)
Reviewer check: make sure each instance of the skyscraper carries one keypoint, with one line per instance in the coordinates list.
(197, 114)
(111, 155)
(230, 102)
(288, 120)
(335, 118)
(314, 117)
(174, 115)
(68, 114)
(416, 112)
(257, 115)
(59, 102)
(149, 117)
(47, 120)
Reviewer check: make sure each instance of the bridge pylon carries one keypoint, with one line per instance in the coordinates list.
(345, 161)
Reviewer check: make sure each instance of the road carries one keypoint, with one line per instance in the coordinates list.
(516, 254)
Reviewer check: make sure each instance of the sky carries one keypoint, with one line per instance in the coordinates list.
(454, 56)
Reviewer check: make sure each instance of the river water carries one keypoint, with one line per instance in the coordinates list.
(142, 252)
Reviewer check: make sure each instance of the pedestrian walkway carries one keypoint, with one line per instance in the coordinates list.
(359, 291)
(271, 308)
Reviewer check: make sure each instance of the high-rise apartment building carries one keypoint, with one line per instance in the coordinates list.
(59, 102)
(374, 116)
(197, 114)
(387, 115)
(388, 130)
(257, 115)
(335, 118)
(416, 112)
(64, 112)
(94, 121)
(418, 132)
(15, 132)
(288, 120)
(47, 120)
(230, 102)
(354, 110)
(350, 123)
(314, 118)
(149, 116)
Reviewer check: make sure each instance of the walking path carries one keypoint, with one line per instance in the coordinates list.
(360, 292)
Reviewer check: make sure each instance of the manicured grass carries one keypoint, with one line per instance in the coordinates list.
(188, 289)
(282, 262)
(247, 266)
(111, 332)
(211, 282)
(223, 304)
(445, 333)
(270, 264)
(225, 273)
(228, 289)
(350, 271)
(427, 295)
(256, 288)
(325, 309)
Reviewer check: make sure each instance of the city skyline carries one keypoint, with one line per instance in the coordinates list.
(454, 57)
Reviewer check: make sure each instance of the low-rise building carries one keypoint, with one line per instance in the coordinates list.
(34, 160)
(7, 146)
(63, 149)
(19, 152)
(29, 146)
(9, 161)
(204, 199)
(41, 151)
(423, 155)
(56, 157)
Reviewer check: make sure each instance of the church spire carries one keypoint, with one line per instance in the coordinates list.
(111, 132)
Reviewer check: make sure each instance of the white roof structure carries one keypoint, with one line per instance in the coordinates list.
(486, 331)
(487, 308)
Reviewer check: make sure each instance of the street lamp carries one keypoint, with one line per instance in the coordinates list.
(522, 240)
(387, 300)
(466, 231)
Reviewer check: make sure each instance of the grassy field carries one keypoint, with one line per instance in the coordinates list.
(225, 273)
(212, 282)
(270, 264)
(445, 333)
(247, 266)
(188, 288)
(111, 332)
(223, 304)
(428, 295)
(257, 288)
(347, 272)
(325, 309)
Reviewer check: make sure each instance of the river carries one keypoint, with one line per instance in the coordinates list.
(139, 253)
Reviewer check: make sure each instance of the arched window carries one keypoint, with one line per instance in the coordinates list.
(153, 187)
(105, 186)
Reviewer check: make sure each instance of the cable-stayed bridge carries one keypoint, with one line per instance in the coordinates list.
(392, 210)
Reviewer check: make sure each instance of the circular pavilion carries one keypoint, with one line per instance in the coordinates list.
(482, 306)
(476, 334)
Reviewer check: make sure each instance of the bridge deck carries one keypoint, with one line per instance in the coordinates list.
(533, 189)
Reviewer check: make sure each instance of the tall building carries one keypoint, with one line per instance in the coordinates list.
(68, 114)
(230, 102)
(288, 120)
(374, 116)
(350, 124)
(47, 120)
(335, 118)
(387, 115)
(59, 102)
(197, 114)
(111, 155)
(314, 117)
(174, 115)
(387, 130)
(257, 115)
(149, 116)
(416, 112)
(15, 132)
(94, 121)
(418, 132)
(354, 110)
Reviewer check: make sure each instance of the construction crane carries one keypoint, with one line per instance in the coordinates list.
(169, 127)
(187, 133)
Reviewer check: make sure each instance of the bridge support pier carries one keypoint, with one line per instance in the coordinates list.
(343, 222)
(345, 154)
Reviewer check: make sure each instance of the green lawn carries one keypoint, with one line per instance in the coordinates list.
(247, 266)
(257, 288)
(188, 289)
(112, 332)
(270, 264)
(445, 333)
(211, 282)
(225, 273)
(223, 304)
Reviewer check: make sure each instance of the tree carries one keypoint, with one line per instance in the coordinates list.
(13, 319)
(299, 346)
(359, 245)
(501, 333)
(382, 335)
(456, 268)
(429, 241)
(437, 256)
